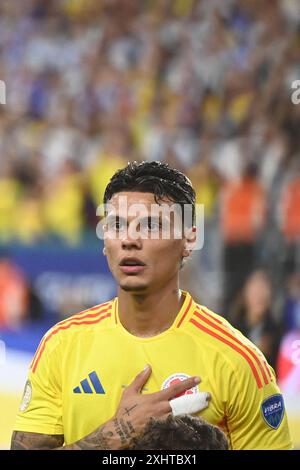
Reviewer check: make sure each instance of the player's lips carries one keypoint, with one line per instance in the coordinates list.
(131, 265)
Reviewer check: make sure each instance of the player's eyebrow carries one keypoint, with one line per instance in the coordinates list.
(115, 218)
(148, 218)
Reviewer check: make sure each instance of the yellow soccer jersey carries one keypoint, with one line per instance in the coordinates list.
(83, 363)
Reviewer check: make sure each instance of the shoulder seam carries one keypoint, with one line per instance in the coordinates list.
(232, 342)
(97, 317)
(89, 313)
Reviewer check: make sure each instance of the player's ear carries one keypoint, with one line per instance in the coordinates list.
(104, 251)
(190, 238)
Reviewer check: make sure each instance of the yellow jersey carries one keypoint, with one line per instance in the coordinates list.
(82, 365)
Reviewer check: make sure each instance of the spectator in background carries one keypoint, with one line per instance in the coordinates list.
(9, 194)
(288, 370)
(64, 203)
(242, 218)
(14, 298)
(252, 315)
(291, 317)
(19, 302)
(290, 222)
(183, 432)
(110, 159)
(288, 363)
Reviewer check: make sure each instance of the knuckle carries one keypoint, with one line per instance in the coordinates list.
(180, 387)
(126, 391)
(162, 409)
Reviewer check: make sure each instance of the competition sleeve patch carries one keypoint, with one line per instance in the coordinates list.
(273, 411)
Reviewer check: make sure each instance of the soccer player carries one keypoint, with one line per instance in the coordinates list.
(80, 394)
(183, 432)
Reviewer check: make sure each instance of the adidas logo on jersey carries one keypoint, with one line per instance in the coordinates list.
(91, 384)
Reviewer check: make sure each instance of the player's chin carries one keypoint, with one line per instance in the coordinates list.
(133, 286)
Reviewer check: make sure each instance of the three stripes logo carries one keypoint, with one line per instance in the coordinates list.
(91, 384)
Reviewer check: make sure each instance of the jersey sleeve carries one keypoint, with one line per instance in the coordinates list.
(256, 416)
(40, 410)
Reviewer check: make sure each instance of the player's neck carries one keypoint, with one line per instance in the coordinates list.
(149, 315)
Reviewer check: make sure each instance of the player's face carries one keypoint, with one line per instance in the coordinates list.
(142, 250)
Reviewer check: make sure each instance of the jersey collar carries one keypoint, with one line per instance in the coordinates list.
(183, 315)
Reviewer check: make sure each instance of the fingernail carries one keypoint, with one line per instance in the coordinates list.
(197, 380)
(146, 368)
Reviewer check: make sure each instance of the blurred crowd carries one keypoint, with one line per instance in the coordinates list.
(205, 85)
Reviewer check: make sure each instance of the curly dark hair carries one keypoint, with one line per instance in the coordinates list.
(153, 177)
(184, 432)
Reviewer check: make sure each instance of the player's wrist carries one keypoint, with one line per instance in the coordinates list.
(118, 433)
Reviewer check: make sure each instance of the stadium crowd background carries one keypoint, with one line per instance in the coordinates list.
(204, 85)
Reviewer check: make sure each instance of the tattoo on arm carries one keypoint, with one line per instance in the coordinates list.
(119, 432)
(34, 441)
(115, 434)
(98, 440)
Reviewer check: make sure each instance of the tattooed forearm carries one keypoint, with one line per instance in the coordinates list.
(34, 441)
(115, 434)
(97, 440)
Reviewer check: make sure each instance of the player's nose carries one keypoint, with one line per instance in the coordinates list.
(131, 244)
(132, 241)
